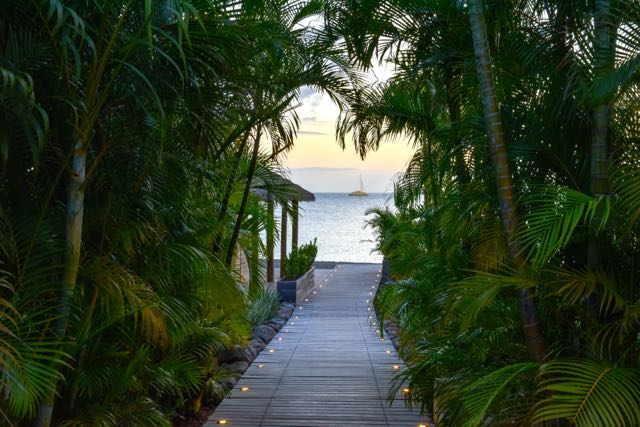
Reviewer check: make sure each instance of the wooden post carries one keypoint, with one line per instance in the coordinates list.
(283, 238)
(254, 261)
(270, 227)
(294, 223)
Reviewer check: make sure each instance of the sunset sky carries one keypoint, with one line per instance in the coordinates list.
(318, 164)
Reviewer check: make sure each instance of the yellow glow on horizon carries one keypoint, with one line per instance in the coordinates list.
(312, 150)
(316, 147)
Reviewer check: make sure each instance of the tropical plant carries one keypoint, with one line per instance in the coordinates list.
(263, 307)
(124, 138)
(300, 260)
(463, 261)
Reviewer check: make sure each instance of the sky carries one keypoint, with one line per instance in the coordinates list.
(318, 164)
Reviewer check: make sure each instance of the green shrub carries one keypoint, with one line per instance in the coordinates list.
(300, 260)
(263, 307)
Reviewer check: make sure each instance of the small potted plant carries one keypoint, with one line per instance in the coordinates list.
(298, 279)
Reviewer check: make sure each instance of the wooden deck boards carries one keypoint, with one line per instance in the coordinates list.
(328, 366)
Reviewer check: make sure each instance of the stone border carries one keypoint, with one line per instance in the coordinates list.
(237, 359)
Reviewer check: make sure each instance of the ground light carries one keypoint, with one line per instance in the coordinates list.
(271, 350)
(244, 389)
(223, 422)
(388, 351)
(396, 366)
(261, 365)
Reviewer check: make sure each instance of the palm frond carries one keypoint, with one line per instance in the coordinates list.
(589, 393)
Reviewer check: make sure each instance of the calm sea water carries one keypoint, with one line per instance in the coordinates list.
(338, 221)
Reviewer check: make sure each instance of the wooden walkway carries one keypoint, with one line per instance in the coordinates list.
(326, 367)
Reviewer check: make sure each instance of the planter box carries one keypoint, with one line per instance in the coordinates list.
(295, 291)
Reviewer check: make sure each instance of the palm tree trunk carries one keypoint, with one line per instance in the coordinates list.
(603, 59)
(224, 205)
(245, 198)
(254, 260)
(531, 325)
(73, 243)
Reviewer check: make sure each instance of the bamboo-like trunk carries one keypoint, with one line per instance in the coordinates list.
(270, 241)
(601, 115)
(531, 325)
(603, 60)
(245, 198)
(295, 214)
(224, 205)
(254, 260)
(283, 238)
(73, 244)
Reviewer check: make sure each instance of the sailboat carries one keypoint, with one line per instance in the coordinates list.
(361, 191)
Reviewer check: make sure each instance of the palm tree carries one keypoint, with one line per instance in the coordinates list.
(447, 243)
(300, 61)
(504, 184)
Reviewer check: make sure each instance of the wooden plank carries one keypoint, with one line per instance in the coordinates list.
(328, 366)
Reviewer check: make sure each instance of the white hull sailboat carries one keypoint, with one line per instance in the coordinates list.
(361, 191)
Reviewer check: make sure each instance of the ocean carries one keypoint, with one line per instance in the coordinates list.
(337, 220)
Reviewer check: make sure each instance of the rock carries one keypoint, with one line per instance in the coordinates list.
(276, 326)
(257, 345)
(228, 383)
(234, 354)
(264, 333)
(238, 367)
(251, 353)
(284, 313)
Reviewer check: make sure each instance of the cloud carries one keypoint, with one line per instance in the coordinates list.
(306, 92)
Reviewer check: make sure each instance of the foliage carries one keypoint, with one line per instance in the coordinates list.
(263, 307)
(300, 260)
(126, 170)
(589, 393)
(572, 150)
(133, 133)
